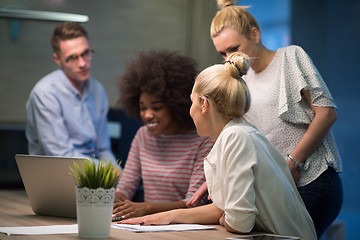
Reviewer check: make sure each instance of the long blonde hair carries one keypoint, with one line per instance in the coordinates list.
(223, 85)
(236, 17)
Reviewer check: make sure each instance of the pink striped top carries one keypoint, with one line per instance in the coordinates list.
(171, 166)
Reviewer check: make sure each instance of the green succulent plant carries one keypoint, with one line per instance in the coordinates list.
(95, 174)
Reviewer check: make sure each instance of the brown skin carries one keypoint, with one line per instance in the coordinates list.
(158, 120)
(128, 209)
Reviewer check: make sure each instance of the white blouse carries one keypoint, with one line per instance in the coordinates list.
(249, 179)
(281, 112)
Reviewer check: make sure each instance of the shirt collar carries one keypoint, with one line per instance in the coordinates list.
(232, 123)
(65, 81)
(212, 159)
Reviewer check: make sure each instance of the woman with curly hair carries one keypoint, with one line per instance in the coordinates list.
(166, 153)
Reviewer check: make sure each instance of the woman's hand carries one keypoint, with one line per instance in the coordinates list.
(227, 227)
(126, 208)
(320, 125)
(162, 218)
(295, 172)
(198, 195)
(222, 220)
(207, 214)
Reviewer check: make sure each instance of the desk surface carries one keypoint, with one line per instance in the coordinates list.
(15, 211)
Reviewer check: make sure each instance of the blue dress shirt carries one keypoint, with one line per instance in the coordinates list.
(63, 122)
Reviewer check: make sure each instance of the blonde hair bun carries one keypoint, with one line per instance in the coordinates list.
(224, 3)
(238, 64)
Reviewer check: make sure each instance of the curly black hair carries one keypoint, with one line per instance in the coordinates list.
(164, 74)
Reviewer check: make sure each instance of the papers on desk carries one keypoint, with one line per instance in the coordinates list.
(162, 228)
(73, 229)
(40, 230)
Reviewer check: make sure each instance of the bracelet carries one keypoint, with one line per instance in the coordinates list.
(299, 165)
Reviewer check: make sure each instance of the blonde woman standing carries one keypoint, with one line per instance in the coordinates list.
(292, 106)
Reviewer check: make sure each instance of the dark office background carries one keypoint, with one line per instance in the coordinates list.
(328, 30)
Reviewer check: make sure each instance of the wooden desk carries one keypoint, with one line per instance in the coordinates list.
(15, 211)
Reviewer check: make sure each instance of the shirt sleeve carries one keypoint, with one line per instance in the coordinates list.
(198, 177)
(49, 126)
(298, 72)
(131, 174)
(237, 171)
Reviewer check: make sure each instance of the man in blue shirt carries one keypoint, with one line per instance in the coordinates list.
(67, 109)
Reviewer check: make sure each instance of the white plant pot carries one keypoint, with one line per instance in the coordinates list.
(94, 210)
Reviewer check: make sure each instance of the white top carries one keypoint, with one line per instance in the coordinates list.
(250, 180)
(281, 112)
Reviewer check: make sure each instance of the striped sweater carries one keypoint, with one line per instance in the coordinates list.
(171, 166)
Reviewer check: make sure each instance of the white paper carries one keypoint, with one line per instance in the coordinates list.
(162, 228)
(40, 230)
(73, 229)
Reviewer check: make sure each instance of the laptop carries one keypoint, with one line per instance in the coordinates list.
(48, 184)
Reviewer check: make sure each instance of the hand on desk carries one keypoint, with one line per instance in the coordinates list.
(162, 218)
(125, 208)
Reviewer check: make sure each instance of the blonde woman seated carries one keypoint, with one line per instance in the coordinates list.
(248, 180)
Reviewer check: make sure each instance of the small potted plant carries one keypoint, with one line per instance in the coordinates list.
(95, 191)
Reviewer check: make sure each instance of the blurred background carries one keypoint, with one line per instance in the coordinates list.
(328, 30)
